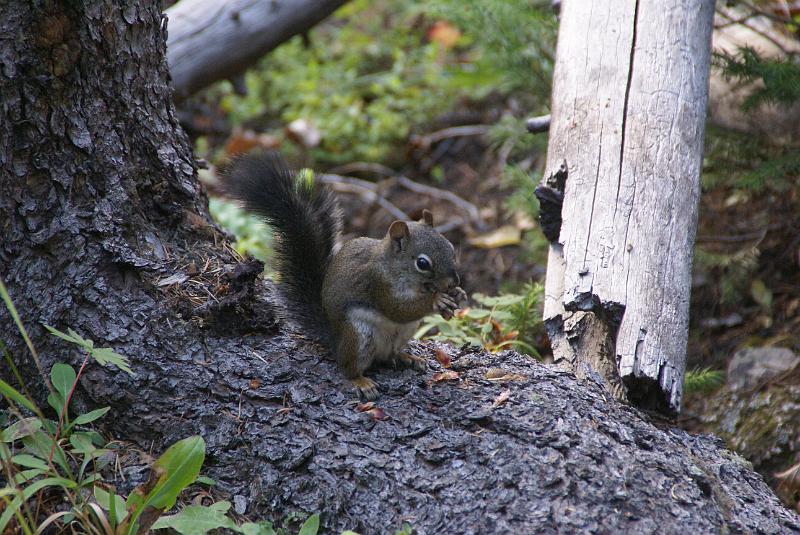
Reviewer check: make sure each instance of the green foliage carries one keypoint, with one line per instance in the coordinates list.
(733, 271)
(702, 380)
(746, 162)
(405, 530)
(102, 355)
(253, 236)
(508, 320)
(66, 458)
(362, 82)
(512, 42)
(779, 78)
(374, 75)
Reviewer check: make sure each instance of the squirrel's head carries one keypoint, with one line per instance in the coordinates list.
(427, 256)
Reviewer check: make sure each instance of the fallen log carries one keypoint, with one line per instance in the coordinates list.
(210, 40)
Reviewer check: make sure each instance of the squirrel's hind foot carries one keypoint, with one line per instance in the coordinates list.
(366, 387)
(410, 361)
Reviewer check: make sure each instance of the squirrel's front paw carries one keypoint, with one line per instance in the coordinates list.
(366, 387)
(458, 295)
(447, 303)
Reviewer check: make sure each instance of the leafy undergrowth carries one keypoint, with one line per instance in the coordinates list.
(56, 465)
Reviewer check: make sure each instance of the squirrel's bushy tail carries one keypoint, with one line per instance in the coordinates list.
(306, 221)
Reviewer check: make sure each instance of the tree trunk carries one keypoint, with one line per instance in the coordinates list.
(629, 99)
(211, 40)
(100, 207)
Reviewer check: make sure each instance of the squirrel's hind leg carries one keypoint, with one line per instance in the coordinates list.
(354, 353)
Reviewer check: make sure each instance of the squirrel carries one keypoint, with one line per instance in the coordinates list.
(363, 298)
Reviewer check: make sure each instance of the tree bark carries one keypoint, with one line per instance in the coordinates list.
(211, 40)
(100, 211)
(629, 99)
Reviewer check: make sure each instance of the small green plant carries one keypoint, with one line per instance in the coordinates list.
(501, 322)
(779, 78)
(40, 455)
(42, 458)
(252, 235)
(702, 380)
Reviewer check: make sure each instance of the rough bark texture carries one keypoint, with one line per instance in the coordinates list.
(628, 113)
(105, 231)
(211, 40)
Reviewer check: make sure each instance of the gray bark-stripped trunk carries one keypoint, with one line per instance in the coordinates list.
(211, 40)
(629, 102)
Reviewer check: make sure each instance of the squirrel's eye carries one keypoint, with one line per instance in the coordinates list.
(423, 263)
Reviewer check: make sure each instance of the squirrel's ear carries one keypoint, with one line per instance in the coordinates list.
(399, 234)
(427, 218)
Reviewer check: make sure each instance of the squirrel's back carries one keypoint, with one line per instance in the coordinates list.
(306, 221)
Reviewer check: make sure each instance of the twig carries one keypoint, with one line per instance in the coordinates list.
(450, 225)
(767, 14)
(453, 131)
(363, 167)
(448, 196)
(367, 190)
(758, 31)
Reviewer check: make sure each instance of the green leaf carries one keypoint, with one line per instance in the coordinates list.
(29, 491)
(56, 400)
(20, 429)
(81, 443)
(72, 337)
(257, 528)
(91, 416)
(177, 468)
(761, 294)
(205, 480)
(106, 356)
(63, 378)
(8, 391)
(30, 461)
(41, 444)
(181, 464)
(198, 519)
(25, 475)
(310, 526)
(111, 502)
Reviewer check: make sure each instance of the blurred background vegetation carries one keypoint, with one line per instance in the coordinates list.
(405, 105)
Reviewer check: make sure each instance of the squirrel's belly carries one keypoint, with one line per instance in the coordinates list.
(378, 334)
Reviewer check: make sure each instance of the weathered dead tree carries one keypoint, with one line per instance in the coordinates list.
(211, 40)
(105, 230)
(628, 114)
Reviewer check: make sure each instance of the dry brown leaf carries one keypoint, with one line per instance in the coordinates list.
(502, 398)
(497, 375)
(377, 414)
(494, 373)
(242, 141)
(444, 33)
(500, 237)
(448, 375)
(443, 358)
(462, 312)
